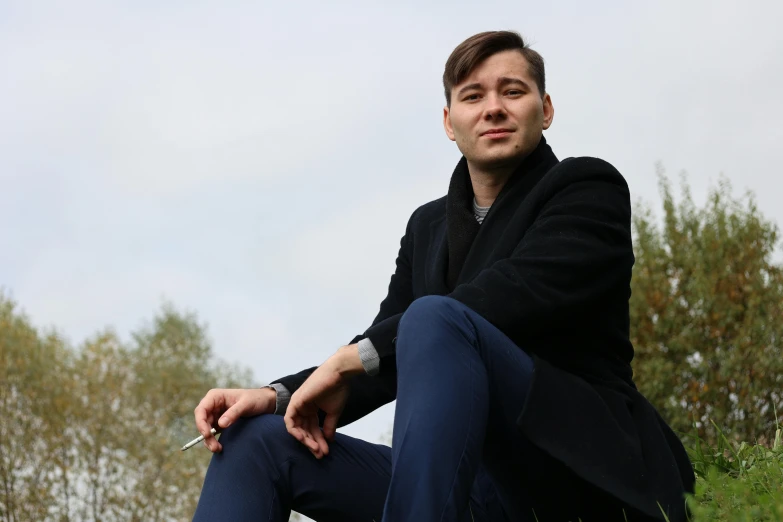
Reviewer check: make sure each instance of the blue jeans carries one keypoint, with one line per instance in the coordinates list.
(456, 456)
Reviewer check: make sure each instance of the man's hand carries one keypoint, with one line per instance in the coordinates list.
(326, 389)
(221, 408)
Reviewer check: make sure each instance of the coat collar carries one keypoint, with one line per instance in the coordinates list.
(463, 231)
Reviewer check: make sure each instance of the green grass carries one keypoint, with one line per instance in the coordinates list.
(737, 482)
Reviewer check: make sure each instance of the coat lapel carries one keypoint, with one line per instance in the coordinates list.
(437, 259)
(513, 193)
(461, 224)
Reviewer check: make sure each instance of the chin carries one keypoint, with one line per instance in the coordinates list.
(501, 158)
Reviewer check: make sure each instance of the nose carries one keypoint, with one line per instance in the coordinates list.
(494, 110)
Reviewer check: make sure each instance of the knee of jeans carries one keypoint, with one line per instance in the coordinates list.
(428, 308)
(250, 434)
(433, 311)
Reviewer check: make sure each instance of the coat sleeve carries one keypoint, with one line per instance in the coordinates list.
(369, 393)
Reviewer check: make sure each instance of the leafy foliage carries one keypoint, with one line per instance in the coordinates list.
(30, 366)
(93, 433)
(706, 309)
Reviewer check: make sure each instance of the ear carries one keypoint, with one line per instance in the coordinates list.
(447, 123)
(549, 111)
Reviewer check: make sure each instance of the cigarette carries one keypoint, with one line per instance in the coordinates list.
(196, 440)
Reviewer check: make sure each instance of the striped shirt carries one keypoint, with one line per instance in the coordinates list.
(479, 212)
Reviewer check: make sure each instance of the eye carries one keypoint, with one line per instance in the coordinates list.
(514, 92)
(472, 97)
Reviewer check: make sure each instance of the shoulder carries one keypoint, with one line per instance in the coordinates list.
(586, 185)
(585, 168)
(428, 212)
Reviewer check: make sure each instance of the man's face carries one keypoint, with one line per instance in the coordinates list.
(497, 114)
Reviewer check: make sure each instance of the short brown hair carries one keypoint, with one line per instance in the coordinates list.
(470, 53)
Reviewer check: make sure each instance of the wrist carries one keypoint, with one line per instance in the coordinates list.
(269, 395)
(348, 361)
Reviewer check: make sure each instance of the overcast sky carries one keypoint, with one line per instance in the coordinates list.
(257, 163)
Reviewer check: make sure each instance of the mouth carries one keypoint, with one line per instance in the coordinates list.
(496, 133)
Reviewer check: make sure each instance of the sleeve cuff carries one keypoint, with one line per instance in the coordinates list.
(283, 397)
(369, 356)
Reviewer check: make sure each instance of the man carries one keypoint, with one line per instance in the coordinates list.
(504, 338)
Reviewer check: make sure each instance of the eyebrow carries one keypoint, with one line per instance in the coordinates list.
(505, 80)
(502, 81)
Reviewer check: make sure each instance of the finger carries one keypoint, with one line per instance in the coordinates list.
(313, 445)
(321, 448)
(209, 440)
(204, 428)
(309, 439)
(205, 413)
(203, 418)
(318, 437)
(213, 445)
(299, 434)
(298, 425)
(293, 425)
(330, 427)
(233, 413)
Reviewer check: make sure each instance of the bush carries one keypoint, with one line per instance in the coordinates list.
(737, 482)
(706, 303)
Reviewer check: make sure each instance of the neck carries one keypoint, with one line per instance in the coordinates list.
(488, 182)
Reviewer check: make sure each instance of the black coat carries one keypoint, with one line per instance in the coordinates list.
(551, 268)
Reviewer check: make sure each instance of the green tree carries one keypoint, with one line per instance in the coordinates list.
(173, 367)
(31, 400)
(102, 427)
(93, 434)
(706, 309)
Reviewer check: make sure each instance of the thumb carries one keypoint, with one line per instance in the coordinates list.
(231, 415)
